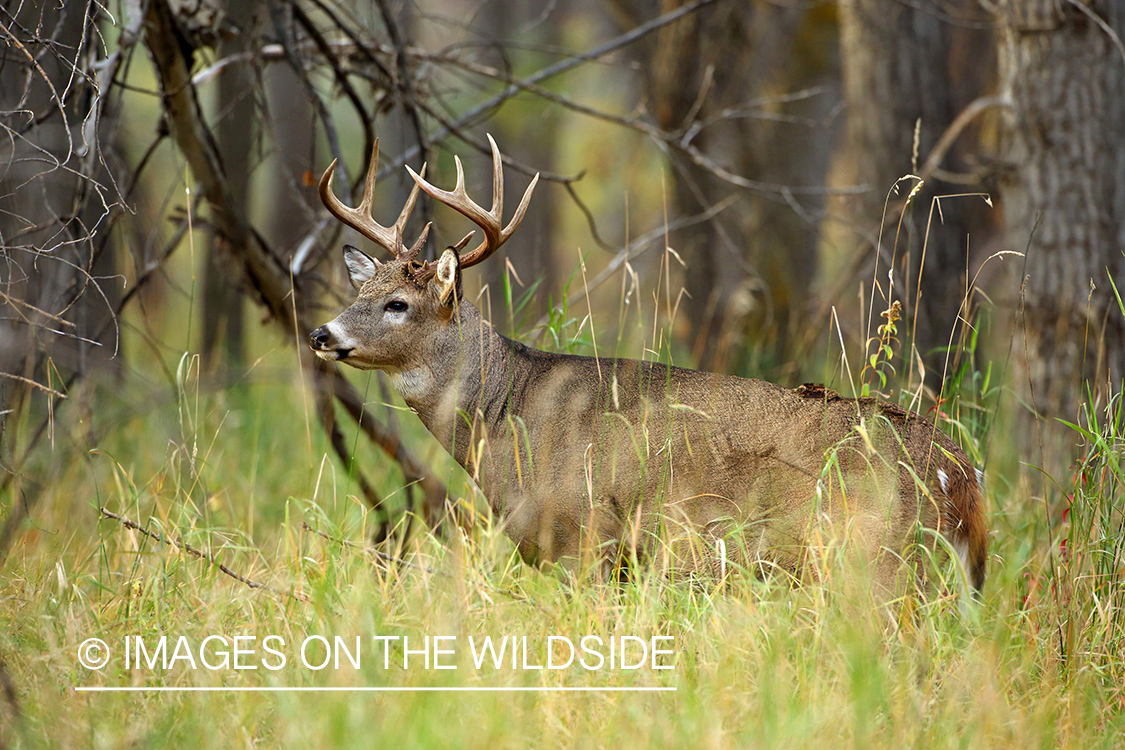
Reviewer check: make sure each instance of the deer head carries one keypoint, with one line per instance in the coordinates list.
(403, 303)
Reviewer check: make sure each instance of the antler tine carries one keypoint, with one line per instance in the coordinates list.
(412, 253)
(491, 222)
(497, 177)
(400, 225)
(369, 181)
(360, 219)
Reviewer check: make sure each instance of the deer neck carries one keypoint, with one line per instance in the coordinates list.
(461, 389)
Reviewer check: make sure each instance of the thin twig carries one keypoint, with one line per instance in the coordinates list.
(313, 96)
(403, 79)
(951, 133)
(21, 511)
(673, 140)
(1101, 22)
(377, 553)
(34, 384)
(637, 248)
(185, 547)
(266, 274)
(624, 40)
(341, 78)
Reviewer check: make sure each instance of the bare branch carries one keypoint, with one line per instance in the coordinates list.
(373, 551)
(196, 552)
(473, 114)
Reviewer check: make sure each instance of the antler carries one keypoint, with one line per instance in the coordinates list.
(489, 221)
(388, 238)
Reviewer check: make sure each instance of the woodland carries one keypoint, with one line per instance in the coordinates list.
(920, 200)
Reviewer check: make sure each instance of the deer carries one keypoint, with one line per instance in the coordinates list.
(616, 462)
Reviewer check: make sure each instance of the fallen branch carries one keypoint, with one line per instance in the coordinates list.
(376, 553)
(195, 551)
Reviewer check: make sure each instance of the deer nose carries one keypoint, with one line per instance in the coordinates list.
(318, 339)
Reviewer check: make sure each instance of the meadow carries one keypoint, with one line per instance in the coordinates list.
(196, 567)
(240, 472)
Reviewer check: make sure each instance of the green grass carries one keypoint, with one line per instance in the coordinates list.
(756, 664)
(244, 473)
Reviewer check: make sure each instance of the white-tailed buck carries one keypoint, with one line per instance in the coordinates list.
(614, 461)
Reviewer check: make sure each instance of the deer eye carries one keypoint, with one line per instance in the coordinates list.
(396, 305)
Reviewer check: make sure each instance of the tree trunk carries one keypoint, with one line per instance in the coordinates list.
(281, 293)
(293, 204)
(1065, 200)
(236, 115)
(897, 73)
(531, 250)
(728, 65)
(56, 281)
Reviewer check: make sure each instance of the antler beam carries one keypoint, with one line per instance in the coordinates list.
(491, 222)
(359, 218)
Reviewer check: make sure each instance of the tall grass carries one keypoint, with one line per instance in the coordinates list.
(240, 475)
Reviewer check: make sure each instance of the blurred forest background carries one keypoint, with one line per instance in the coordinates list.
(792, 166)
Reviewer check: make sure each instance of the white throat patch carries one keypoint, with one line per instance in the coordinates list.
(412, 385)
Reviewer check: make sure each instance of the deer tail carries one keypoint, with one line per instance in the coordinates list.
(964, 517)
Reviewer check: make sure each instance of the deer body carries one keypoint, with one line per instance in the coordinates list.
(614, 460)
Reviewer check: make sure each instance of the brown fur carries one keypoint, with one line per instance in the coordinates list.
(619, 461)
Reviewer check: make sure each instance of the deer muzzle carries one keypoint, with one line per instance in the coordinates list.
(323, 342)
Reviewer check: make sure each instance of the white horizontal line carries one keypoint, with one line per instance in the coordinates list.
(282, 689)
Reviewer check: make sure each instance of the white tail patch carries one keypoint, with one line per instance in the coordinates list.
(943, 479)
(961, 547)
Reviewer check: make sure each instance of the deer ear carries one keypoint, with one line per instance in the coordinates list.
(361, 266)
(448, 277)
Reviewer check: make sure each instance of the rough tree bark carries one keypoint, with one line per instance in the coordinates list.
(896, 72)
(236, 114)
(1063, 73)
(56, 296)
